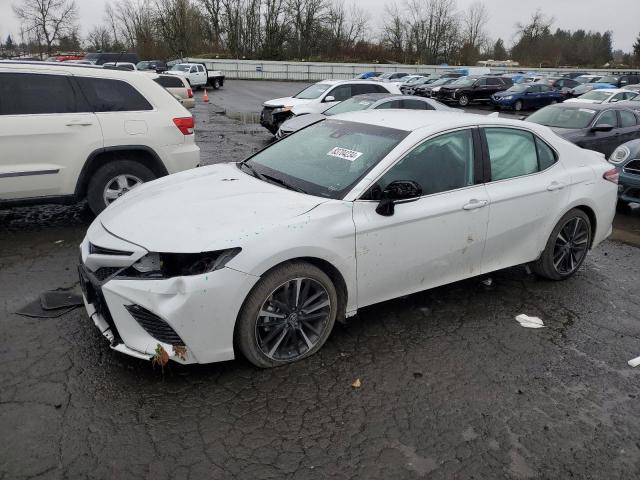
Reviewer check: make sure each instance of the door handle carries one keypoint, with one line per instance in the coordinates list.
(79, 124)
(556, 186)
(475, 203)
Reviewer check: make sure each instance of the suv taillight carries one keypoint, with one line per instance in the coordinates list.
(190, 93)
(612, 175)
(185, 125)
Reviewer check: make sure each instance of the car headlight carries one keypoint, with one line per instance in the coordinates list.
(619, 155)
(286, 108)
(508, 97)
(168, 265)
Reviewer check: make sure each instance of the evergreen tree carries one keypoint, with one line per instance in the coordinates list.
(499, 52)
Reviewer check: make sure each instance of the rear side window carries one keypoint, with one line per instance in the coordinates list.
(106, 95)
(608, 118)
(493, 81)
(546, 156)
(416, 105)
(169, 81)
(341, 93)
(360, 89)
(512, 153)
(31, 94)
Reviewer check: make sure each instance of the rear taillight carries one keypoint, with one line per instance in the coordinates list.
(185, 125)
(190, 93)
(612, 175)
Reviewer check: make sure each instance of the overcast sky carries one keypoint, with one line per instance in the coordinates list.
(620, 16)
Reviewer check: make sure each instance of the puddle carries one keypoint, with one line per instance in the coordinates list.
(244, 117)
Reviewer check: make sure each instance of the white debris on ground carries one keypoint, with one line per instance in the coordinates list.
(634, 362)
(529, 322)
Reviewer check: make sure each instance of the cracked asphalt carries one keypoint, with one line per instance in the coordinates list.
(451, 386)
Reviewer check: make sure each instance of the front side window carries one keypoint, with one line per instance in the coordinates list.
(200, 68)
(340, 93)
(438, 165)
(493, 81)
(31, 94)
(512, 153)
(608, 118)
(328, 158)
(106, 95)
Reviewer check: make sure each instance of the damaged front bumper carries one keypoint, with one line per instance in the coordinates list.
(192, 318)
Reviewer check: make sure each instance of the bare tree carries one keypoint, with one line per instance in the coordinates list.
(306, 18)
(394, 30)
(178, 23)
(345, 26)
(99, 38)
(47, 20)
(214, 27)
(275, 30)
(474, 22)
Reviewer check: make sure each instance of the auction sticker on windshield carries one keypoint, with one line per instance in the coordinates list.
(344, 153)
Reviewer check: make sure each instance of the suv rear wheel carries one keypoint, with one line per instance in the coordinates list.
(113, 180)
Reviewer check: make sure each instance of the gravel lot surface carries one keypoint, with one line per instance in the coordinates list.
(451, 385)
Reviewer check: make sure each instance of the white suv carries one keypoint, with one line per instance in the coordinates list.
(317, 98)
(72, 131)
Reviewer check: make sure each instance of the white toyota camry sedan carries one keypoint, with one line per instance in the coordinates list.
(261, 257)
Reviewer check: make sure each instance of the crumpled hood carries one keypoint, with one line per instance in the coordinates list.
(202, 209)
(296, 123)
(286, 102)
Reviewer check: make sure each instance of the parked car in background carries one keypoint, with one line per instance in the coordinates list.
(390, 76)
(605, 95)
(179, 88)
(371, 101)
(587, 78)
(599, 127)
(156, 65)
(366, 75)
(78, 62)
(621, 81)
(317, 98)
(69, 132)
(633, 88)
(352, 211)
(197, 75)
(626, 159)
(408, 80)
(587, 84)
(120, 65)
(101, 58)
(574, 75)
(526, 96)
(471, 89)
(428, 88)
(561, 84)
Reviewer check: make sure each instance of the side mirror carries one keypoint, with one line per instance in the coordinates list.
(397, 192)
(605, 127)
(614, 100)
(329, 98)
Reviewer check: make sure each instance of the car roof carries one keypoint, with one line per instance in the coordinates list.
(612, 90)
(412, 120)
(336, 82)
(71, 68)
(590, 106)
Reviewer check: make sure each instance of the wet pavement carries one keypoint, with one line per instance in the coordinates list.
(451, 385)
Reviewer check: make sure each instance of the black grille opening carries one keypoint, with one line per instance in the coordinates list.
(105, 272)
(97, 250)
(154, 325)
(632, 167)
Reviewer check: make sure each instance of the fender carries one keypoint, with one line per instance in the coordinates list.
(158, 166)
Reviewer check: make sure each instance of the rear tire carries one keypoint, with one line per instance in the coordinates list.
(215, 84)
(566, 248)
(130, 170)
(298, 334)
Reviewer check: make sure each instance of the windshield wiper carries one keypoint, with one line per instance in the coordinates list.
(279, 181)
(269, 178)
(253, 171)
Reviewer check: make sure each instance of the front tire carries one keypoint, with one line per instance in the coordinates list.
(566, 248)
(287, 316)
(518, 106)
(113, 180)
(463, 101)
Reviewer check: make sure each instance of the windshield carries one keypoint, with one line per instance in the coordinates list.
(351, 105)
(327, 158)
(413, 80)
(386, 75)
(609, 79)
(181, 67)
(563, 117)
(314, 91)
(597, 95)
(518, 88)
(442, 81)
(143, 65)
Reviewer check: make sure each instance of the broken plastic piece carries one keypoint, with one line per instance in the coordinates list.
(529, 322)
(54, 300)
(357, 383)
(634, 362)
(35, 310)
